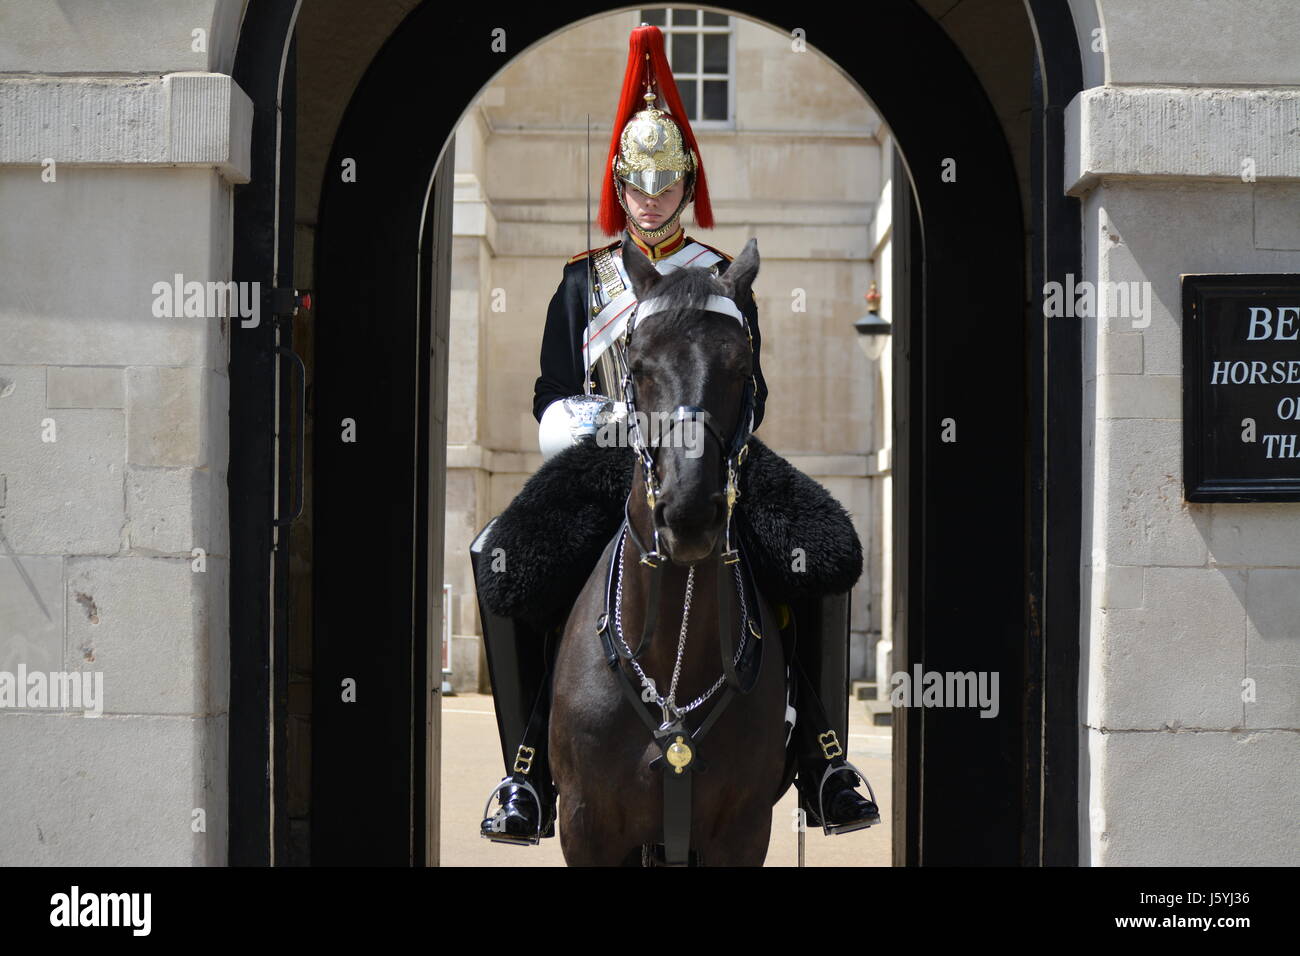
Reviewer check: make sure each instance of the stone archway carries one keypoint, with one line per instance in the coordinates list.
(967, 535)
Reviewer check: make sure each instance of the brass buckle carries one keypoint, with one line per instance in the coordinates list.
(730, 555)
(830, 742)
(524, 759)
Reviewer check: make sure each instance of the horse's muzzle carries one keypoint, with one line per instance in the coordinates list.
(690, 534)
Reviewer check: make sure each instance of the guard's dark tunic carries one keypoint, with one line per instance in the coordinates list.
(566, 321)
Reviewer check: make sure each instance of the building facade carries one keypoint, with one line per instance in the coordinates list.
(134, 159)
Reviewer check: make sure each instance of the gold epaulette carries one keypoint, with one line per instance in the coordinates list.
(582, 255)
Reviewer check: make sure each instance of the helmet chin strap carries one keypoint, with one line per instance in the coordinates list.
(669, 227)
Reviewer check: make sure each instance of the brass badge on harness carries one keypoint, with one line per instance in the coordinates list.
(679, 754)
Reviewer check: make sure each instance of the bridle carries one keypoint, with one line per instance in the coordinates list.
(734, 450)
(679, 745)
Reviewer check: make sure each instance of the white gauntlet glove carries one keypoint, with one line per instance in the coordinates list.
(569, 420)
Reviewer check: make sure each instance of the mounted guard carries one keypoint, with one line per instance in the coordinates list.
(531, 562)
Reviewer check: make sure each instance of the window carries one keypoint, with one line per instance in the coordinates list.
(701, 53)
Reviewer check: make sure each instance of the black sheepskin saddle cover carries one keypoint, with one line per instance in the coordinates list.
(797, 538)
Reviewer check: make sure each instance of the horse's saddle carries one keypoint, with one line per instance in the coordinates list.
(799, 540)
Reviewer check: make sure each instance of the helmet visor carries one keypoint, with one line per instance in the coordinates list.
(652, 182)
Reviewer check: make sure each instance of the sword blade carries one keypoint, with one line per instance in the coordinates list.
(591, 292)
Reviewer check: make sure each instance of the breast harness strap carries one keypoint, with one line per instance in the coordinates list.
(679, 746)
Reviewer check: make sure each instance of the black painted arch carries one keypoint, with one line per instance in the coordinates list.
(968, 584)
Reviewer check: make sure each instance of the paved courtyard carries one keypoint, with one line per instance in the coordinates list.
(471, 764)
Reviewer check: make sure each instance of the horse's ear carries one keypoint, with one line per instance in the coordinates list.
(643, 274)
(739, 276)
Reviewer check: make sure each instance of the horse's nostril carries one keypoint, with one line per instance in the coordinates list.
(677, 514)
(705, 512)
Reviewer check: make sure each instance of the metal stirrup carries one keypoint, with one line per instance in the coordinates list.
(821, 794)
(508, 781)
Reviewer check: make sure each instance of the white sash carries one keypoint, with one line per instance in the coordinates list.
(607, 327)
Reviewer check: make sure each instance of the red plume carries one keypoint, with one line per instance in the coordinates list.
(646, 61)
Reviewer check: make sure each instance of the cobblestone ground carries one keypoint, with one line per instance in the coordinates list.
(471, 765)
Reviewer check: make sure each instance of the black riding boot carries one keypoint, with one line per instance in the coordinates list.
(826, 780)
(519, 661)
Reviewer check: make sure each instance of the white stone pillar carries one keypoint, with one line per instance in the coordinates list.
(1184, 605)
(114, 424)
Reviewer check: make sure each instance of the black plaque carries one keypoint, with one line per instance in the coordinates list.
(1241, 387)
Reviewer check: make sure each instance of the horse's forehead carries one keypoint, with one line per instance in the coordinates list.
(667, 327)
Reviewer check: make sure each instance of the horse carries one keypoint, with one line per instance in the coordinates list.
(676, 588)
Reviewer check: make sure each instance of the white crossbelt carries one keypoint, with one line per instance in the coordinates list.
(609, 326)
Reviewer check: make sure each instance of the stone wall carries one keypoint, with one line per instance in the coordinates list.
(118, 151)
(1183, 602)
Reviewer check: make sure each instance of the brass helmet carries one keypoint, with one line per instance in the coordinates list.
(651, 153)
(653, 146)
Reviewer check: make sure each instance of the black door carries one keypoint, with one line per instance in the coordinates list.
(378, 241)
(265, 441)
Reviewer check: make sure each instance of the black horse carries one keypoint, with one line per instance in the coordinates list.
(690, 365)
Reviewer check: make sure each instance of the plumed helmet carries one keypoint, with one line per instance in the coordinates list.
(651, 154)
(653, 146)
